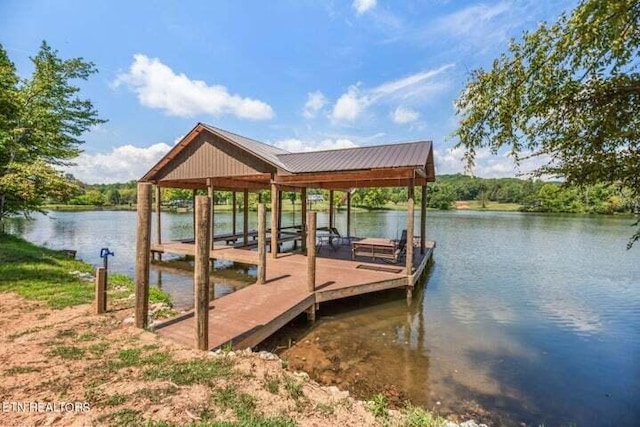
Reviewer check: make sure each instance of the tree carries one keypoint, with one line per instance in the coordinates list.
(41, 122)
(567, 93)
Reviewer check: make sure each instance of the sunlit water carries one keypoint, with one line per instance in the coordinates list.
(533, 317)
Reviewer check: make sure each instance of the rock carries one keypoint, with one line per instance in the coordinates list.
(336, 393)
(451, 424)
(302, 375)
(470, 423)
(265, 355)
(128, 321)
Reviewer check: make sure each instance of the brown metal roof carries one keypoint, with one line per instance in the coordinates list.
(409, 154)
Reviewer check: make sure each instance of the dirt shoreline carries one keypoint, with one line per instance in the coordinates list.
(119, 374)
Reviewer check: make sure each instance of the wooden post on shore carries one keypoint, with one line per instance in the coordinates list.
(245, 217)
(303, 217)
(101, 290)
(201, 271)
(331, 218)
(274, 221)
(143, 247)
(311, 251)
(349, 215)
(410, 221)
(423, 219)
(262, 244)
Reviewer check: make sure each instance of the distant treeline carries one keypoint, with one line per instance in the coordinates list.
(531, 195)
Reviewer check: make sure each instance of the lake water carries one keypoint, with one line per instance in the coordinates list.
(531, 317)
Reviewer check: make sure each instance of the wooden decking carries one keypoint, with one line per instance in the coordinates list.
(249, 315)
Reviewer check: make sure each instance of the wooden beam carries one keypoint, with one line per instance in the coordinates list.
(333, 176)
(331, 209)
(303, 219)
(143, 246)
(201, 271)
(279, 210)
(349, 214)
(262, 244)
(245, 217)
(193, 206)
(423, 219)
(311, 251)
(378, 183)
(274, 221)
(410, 221)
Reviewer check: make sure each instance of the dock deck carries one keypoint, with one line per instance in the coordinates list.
(250, 315)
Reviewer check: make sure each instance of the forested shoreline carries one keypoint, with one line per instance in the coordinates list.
(520, 194)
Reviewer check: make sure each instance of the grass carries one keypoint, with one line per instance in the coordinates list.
(476, 205)
(379, 406)
(419, 417)
(68, 352)
(198, 371)
(42, 274)
(271, 383)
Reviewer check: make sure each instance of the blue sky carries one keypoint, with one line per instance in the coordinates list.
(300, 74)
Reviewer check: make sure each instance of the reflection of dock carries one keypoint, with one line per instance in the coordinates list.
(251, 314)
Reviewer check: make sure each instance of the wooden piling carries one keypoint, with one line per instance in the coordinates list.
(311, 251)
(143, 247)
(101, 290)
(212, 198)
(410, 224)
(262, 244)
(158, 202)
(201, 271)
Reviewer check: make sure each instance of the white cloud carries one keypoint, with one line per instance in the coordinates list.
(415, 88)
(350, 105)
(402, 115)
(124, 163)
(295, 145)
(157, 86)
(315, 101)
(361, 6)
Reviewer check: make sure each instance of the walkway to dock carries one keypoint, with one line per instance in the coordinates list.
(250, 315)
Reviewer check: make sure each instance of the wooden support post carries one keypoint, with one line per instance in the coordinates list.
(158, 219)
(274, 221)
(280, 193)
(311, 313)
(201, 271)
(349, 215)
(311, 251)
(101, 290)
(303, 217)
(233, 212)
(259, 196)
(245, 217)
(143, 248)
(423, 219)
(331, 209)
(193, 206)
(212, 198)
(410, 221)
(262, 244)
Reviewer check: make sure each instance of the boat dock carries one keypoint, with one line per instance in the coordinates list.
(251, 314)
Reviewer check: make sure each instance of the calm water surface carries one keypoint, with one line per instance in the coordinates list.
(532, 317)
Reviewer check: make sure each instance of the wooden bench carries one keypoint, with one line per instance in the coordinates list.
(375, 248)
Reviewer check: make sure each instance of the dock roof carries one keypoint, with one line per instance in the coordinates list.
(211, 156)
